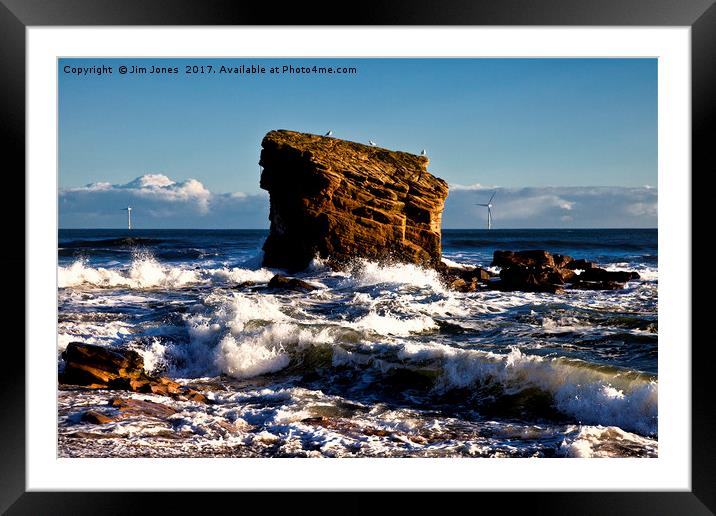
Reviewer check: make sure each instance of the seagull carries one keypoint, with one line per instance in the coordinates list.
(329, 133)
(371, 143)
(424, 153)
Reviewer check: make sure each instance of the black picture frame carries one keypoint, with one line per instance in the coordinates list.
(17, 15)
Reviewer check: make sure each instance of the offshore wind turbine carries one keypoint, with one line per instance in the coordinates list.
(489, 210)
(128, 209)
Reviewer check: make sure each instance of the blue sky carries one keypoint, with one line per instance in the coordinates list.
(529, 127)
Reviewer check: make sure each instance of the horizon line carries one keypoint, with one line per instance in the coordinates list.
(268, 229)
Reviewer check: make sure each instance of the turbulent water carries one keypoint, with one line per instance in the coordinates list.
(379, 361)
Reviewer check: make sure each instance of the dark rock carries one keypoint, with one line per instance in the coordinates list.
(531, 258)
(341, 200)
(540, 271)
(243, 285)
(463, 280)
(133, 407)
(482, 274)
(568, 275)
(527, 287)
(87, 364)
(282, 282)
(579, 264)
(598, 274)
(317, 420)
(530, 279)
(531, 275)
(562, 260)
(124, 408)
(530, 271)
(98, 367)
(461, 285)
(96, 418)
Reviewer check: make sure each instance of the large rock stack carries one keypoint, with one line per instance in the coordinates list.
(340, 200)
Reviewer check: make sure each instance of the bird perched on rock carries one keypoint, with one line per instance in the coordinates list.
(329, 133)
(424, 152)
(371, 143)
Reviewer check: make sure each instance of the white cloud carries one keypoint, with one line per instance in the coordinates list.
(552, 207)
(476, 186)
(150, 181)
(639, 209)
(565, 205)
(93, 187)
(156, 187)
(159, 201)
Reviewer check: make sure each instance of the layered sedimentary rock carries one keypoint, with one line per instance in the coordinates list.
(465, 279)
(98, 367)
(339, 200)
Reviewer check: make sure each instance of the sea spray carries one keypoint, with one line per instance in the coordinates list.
(144, 272)
(381, 361)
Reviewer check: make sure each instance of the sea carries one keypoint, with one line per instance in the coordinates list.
(381, 360)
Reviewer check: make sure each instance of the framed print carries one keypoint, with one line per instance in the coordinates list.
(443, 250)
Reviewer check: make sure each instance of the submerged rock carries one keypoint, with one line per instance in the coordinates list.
(133, 407)
(341, 200)
(464, 279)
(96, 418)
(579, 264)
(282, 282)
(597, 274)
(98, 367)
(597, 285)
(123, 408)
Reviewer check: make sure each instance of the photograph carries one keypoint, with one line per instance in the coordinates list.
(350, 257)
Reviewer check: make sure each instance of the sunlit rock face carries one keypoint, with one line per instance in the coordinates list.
(340, 200)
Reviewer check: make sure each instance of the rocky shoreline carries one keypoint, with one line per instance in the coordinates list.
(89, 366)
(536, 271)
(337, 201)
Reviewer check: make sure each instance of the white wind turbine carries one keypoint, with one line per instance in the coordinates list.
(489, 210)
(128, 209)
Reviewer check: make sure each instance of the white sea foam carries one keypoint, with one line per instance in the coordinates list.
(92, 332)
(605, 441)
(458, 265)
(318, 265)
(564, 324)
(144, 272)
(592, 395)
(389, 324)
(243, 308)
(368, 273)
(645, 273)
(248, 335)
(154, 355)
(275, 418)
(250, 357)
(240, 275)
